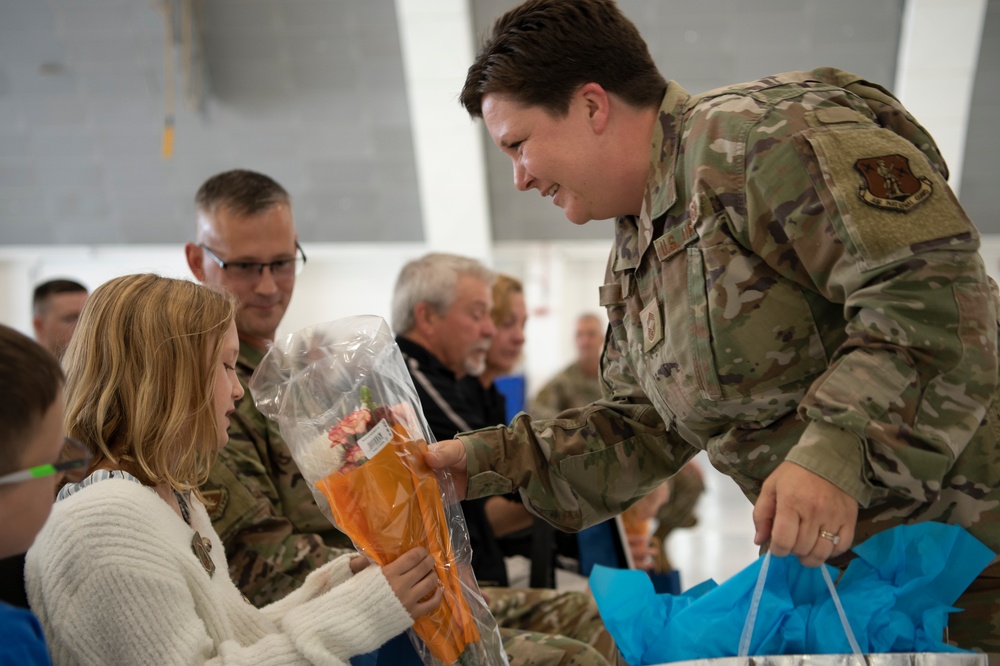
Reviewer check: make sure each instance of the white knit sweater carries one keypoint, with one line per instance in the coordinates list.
(114, 580)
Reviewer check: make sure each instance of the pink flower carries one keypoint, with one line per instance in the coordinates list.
(354, 423)
(354, 454)
(337, 436)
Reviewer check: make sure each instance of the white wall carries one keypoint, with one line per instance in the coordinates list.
(338, 281)
(561, 281)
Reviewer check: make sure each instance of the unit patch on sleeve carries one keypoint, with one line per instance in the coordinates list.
(889, 183)
(888, 198)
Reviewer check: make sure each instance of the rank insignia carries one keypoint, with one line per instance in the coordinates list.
(652, 329)
(891, 184)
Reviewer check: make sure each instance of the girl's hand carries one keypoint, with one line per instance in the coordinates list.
(359, 563)
(414, 580)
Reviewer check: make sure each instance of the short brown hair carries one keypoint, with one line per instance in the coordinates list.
(140, 380)
(44, 291)
(241, 192)
(30, 378)
(542, 51)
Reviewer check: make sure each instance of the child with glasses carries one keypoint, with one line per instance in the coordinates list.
(129, 569)
(31, 442)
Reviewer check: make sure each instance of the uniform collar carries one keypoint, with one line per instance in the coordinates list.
(250, 357)
(633, 235)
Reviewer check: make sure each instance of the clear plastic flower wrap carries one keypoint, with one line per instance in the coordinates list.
(347, 409)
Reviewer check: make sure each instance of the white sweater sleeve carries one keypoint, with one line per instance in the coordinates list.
(112, 584)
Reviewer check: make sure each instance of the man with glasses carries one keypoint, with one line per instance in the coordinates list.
(259, 503)
(33, 454)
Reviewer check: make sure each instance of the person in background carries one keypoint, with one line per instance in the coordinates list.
(128, 568)
(578, 383)
(506, 515)
(509, 315)
(56, 306)
(826, 334)
(441, 307)
(32, 440)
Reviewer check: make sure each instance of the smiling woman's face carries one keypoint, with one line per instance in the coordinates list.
(555, 155)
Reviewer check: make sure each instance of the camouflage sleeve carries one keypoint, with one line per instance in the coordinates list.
(859, 218)
(590, 464)
(268, 555)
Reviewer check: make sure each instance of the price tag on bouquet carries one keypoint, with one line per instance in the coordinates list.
(376, 438)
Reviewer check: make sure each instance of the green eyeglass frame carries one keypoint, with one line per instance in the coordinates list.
(42, 471)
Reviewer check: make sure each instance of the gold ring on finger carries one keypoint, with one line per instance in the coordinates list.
(835, 538)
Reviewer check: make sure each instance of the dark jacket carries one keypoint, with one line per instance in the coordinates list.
(450, 408)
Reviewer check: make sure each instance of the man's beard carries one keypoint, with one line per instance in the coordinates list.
(475, 363)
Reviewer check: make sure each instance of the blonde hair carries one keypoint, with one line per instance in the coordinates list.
(140, 380)
(504, 287)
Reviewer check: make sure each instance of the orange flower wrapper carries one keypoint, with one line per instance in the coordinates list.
(373, 505)
(346, 406)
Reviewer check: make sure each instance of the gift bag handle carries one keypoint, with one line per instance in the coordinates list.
(758, 592)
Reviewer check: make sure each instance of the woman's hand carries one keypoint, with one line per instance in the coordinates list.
(803, 514)
(413, 578)
(450, 455)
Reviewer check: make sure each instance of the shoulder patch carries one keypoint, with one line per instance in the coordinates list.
(889, 183)
(889, 198)
(216, 500)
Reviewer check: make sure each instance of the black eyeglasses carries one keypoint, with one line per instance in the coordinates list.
(252, 270)
(74, 456)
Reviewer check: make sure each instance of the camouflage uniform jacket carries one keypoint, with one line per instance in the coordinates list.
(801, 285)
(262, 508)
(569, 388)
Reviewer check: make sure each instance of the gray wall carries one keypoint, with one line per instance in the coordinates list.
(311, 92)
(308, 91)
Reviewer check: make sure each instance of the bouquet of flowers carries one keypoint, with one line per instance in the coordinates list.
(347, 409)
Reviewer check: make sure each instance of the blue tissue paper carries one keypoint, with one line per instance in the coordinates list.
(897, 596)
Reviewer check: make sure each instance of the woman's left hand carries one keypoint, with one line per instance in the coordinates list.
(803, 514)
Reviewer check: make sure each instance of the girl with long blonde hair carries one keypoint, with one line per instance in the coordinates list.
(128, 569)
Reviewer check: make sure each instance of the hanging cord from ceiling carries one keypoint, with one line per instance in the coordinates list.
(181, 18)
(167, 145)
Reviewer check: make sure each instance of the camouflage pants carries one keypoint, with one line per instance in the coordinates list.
(550, 627)
(978, 625)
